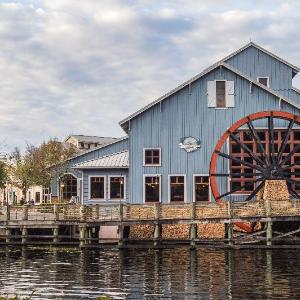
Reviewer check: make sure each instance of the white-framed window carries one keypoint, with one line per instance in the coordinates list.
(152, 188)
(97, 187)
(220, 94)
(177, 188)
(264, 80)
(116, 187)
(201, 190)
(152, 157)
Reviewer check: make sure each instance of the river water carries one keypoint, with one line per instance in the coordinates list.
(150, 274)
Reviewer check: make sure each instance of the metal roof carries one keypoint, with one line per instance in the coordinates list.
(113, 161)
(206, 71)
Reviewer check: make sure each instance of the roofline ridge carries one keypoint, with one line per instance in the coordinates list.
(107, 155)
(202, 73)
(270, 90)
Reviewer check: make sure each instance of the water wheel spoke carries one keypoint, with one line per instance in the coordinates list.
(290, 180)
(257, 141)
(242, 187)
(297, 148)
(293, 192)
(248, 150)
(235, 174)
(286, 138)
(271, 140)
(290, 166)
(258, 188)
(256, 167)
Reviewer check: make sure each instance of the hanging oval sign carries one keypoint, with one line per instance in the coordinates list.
(189, 144)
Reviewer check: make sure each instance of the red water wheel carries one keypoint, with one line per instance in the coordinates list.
(269, 157)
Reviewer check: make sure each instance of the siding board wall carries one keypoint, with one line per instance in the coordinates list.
(106, 173)
(186, 114)
(256, 63)
(115, 147)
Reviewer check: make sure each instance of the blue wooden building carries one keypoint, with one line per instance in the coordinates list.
(166, 152)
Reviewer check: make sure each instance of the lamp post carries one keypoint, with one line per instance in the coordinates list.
(62, 185)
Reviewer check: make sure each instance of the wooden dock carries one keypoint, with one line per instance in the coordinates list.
(62, 224)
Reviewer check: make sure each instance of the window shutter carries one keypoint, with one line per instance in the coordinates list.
(230, 93)
(211, 94)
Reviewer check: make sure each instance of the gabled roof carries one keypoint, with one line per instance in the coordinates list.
(251, 44)
(124, 123)
(113, 161)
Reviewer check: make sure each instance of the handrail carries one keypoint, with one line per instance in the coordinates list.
(126, 211)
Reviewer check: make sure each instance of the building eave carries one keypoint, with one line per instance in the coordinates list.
(124, 123)
(99, 168)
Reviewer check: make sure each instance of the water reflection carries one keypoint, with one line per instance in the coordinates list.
(151, 274)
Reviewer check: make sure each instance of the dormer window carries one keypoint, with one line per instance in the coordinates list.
(263, 80)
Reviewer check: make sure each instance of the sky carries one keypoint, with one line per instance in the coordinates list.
(79, 67)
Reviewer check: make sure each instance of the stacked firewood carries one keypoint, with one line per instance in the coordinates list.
(140, 212)
(176, 231)
(175, 212)
(141, 232)
(211, 210)
(212, 230)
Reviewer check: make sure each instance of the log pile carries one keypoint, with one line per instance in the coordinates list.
(141, 232)
(275, 190)
(177, 231)
(211, 230)
(213, 210)
(140, 212)
(178, 212)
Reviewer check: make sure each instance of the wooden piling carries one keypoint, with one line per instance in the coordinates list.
(55, 234)
(55, 212)
(269, 233)
(24, 235)
(269, 223)
(120, 226)
(8, 235)
(25, 212)
(7, 213)
(229, 226)
(193, 226)
(157, 226)
(82, 213)
(82, 235)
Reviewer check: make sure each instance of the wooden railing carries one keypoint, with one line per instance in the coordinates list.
(128, 212)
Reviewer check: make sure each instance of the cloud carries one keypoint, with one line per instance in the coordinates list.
(81, 66)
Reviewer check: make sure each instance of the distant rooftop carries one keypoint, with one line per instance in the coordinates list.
(91, 139)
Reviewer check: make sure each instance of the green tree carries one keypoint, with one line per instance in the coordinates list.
(22, 170)
(51, 157)
(3, 174)
(38, 164)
